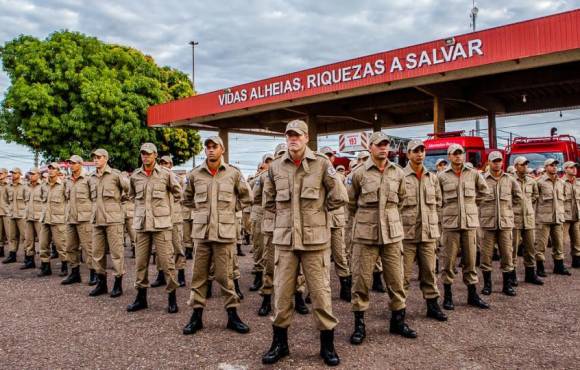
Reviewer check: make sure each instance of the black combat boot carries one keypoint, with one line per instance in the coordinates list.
(531, 276)
(237, 289)
(345, 287)
(266, 306)
(92, 277)
(181, 277)
(486, 283)
(209, 286)
(195, 323)
(235, 323)
(514, 277)
(132, 251)
(74, 277)
(101, 287)
(188, 253)
(540, 269)
(63, 268)
(140, 301)
(473, 299)
(239, 250)
(160, 280)
(378, 282)
(359, 334)
(448, 297)
(279, 347)
(45, 269)
(2, 251)
(508, 289)
(299, 304)
(257, 282)
(327, 351)
(10, 259)
(28, 263)
(117, 287)
(560, 269)
(172, 303)
(434, 311)
(398, 325)
(53, 251)
(575, 262)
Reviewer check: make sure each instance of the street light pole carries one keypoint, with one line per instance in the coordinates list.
(193, 45)
(473, 16)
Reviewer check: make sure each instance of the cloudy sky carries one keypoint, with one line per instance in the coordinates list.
(242, 41)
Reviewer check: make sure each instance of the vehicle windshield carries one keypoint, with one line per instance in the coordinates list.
(537, 159)
(432, 156)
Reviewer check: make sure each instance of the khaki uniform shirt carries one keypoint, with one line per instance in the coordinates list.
(17, 196)
(35, 202)
(374, 200)
(155, 195)
(4, 201)
(78, 194)
(338, 216)
(550, 206)
(301, 197)
(129, 208)
(571, 199)
(460, 195)
(107, 190)
(419, 210)
(524, 211)
(215, 201)
(496, 208)
(257, 185)
(55, 205)
(258, 190)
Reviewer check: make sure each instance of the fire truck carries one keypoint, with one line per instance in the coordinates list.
(537, 149)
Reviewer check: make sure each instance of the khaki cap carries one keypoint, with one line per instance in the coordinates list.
(455, 147)
(148, 148)
(414, 144)
(521, 160)
(550, 161)
(363, 155)
(100, 152)
(298, 126)
(351, 164)
(570, 164)
(378, 137)
(54, 165)
(16, 170)
(511, 169)
(494, 156)
(469, 165)
(3, 170)
(166, 159)
(34, 170)
(214, 139)
(75, 159)
(327, 150)
(280, 148)
(340, 167)
(267, 156)
(440, 160)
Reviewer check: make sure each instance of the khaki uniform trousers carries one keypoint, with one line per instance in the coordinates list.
(222, 256)
(348, 240)
(111, 236)
(164, 257)
(247, 223)
(528, 237)
(235, 263)
(338, 249)
(258, 246)
(17, 233)
(187, 241)
(364, 259)
(268, 275)
(454, 241)
(79, 238)
(55, 234)
(503, 238)
(316, 268)
(32, 234)
(176, 242)
(130, 231)
(425, 255)
(553, 232)
(4, 231)
(572, 231)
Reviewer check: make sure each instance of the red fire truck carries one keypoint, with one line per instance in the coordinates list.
(436, 147)
(537, 149)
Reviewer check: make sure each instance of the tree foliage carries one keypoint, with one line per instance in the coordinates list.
(71, 93)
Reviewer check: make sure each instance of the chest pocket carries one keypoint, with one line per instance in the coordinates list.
(159, 191)
(20, 194)
(310, 188)
(82, 191)
(139, 191)
(109, 192)
(430, 197)
(200, 193)
(449, 191)
(529, 189)
(226, 192)
(282, 189)
(469, 189)
(393, 194)
(370, 191)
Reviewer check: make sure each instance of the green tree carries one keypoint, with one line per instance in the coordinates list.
(72, 93)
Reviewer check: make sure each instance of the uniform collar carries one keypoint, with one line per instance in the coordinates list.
(488, 174)
(410, 171)
(58, 181)
(142, 169)
(223, 165)
(369, 163)
(450, 168)
(308, 154)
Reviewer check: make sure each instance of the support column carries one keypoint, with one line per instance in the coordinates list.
(224, 135)
(438, 115)
(377, 126)
(492, 130)
(311, 121)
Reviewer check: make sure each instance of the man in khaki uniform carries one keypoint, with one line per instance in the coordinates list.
(36, 199)
(421, 226)
(525, 222)
(571, 226)
(53, 228)
(460, 186)
(496, 217)
(187, 224)
(17, 196)
(375, 191)
(155, 190)
(337, 245)
(79, 230)
(128, 206)
(301, 188)
(215, 190)
(4, 211)
(108, 188)
(550, 217)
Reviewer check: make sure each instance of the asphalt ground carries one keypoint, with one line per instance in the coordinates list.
(44, 325)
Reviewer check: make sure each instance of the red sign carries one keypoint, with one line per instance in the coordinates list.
(535, 37)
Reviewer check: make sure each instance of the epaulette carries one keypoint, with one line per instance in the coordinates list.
(322, 155)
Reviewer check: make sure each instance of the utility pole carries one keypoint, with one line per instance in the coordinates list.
(473, 17)
(193, 45)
